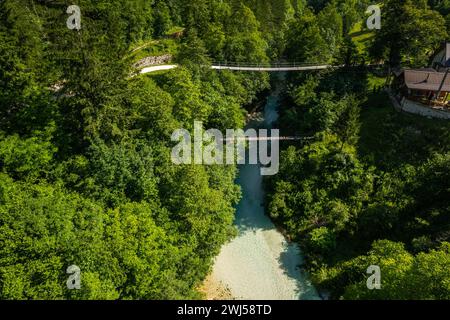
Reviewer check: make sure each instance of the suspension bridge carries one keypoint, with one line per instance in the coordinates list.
(253, 67)
(298, 138)
(273, 67)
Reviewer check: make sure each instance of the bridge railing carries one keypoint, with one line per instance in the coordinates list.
(265, 65)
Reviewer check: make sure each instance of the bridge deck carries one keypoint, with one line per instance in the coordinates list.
(267, 139)
(271, 69)
(254, 67)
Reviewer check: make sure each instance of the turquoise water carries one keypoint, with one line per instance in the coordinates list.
(259, 263)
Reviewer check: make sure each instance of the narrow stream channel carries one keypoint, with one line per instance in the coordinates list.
(259, 264)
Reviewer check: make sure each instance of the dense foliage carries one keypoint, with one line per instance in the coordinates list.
(372, 187)
(86, 177)
(85, 171)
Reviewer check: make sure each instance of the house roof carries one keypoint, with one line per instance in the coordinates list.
(426, 80)
(400, 71)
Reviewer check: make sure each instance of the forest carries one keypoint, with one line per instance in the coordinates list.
(85, 171)
(373, 187)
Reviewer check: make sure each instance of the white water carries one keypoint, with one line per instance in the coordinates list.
(259, 264)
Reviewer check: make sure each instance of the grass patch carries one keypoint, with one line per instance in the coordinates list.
(361, 36)
(374, 82)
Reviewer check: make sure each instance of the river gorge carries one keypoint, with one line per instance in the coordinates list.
(260, 263)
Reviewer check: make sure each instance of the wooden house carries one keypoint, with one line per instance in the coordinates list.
(426, 86)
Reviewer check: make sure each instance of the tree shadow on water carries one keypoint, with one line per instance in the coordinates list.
(291, 262)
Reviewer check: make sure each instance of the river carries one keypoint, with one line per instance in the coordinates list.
(260, 264)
